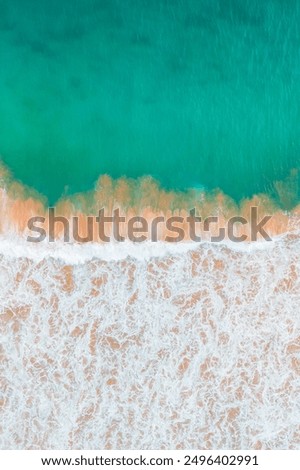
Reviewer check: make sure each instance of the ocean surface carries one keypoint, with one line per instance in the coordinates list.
(200, 94)
(153, 107)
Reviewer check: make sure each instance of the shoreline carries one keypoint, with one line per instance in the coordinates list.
(75, 253)
(141, 199)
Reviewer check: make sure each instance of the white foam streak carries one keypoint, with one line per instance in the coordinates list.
(14, 246)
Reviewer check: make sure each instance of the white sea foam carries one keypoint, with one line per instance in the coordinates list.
(186, 348)
(78, 253)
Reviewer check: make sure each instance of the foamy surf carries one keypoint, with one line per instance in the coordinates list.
(16, 246)
(162, 347)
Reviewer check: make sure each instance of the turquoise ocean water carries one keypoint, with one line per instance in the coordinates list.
(197, 93)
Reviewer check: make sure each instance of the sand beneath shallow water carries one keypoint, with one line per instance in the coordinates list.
(143, 198)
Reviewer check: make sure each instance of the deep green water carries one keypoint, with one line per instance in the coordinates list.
(199, 93)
